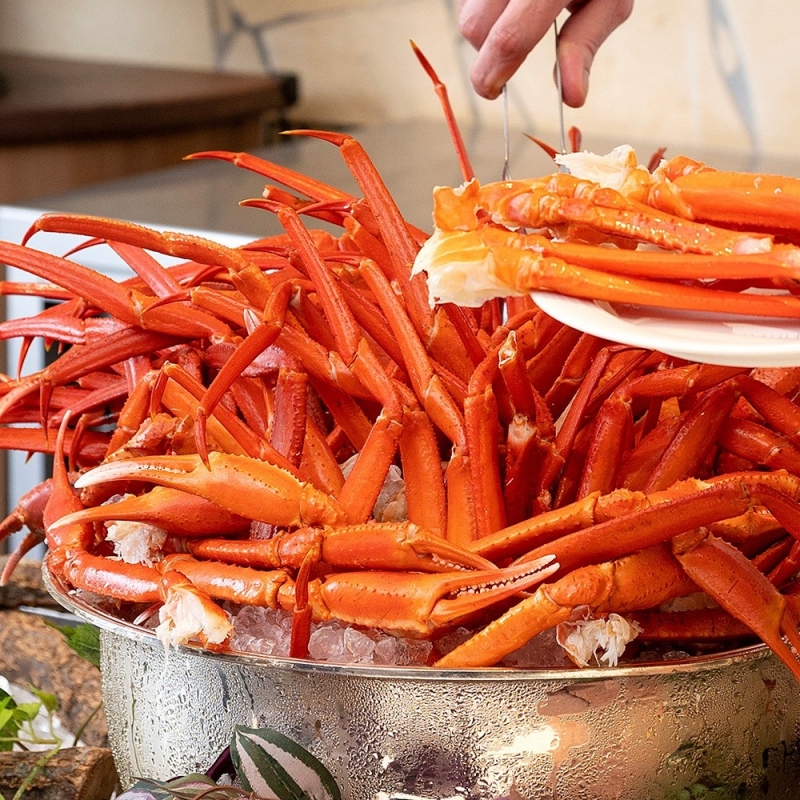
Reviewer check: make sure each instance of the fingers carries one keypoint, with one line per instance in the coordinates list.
(504, 31)
(587, 27)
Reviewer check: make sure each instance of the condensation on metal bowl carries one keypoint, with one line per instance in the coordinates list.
(640, 733)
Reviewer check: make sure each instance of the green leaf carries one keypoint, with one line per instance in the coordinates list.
(267, 760)
(9, 730)
(84, 639)
(9, 724)
(6, 714)
(27, 711)
(49, 701)
(188, 786)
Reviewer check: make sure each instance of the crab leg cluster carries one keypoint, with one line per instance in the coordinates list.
(292, 424)
(682, 237)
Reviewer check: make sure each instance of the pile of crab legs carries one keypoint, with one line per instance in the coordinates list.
(547, 473)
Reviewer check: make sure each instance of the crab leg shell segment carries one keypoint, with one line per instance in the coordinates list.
(741, 590)
(463, 269)
(781, 262)
(237, 483)
(372, 545)
(742, 198)
(227, 582)
(562, 198)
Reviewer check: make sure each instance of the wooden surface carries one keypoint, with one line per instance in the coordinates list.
(32, 653)
(67, 124)
(57, 99)
(73, 773)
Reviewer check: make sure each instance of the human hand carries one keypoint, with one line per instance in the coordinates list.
(505, 31)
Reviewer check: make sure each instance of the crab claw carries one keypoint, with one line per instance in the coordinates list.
(240, 484)
(420, 605)
(172, 510)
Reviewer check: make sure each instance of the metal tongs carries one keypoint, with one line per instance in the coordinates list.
(560, 91)
(562, 130)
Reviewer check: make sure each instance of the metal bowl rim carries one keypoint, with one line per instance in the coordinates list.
(108, 623)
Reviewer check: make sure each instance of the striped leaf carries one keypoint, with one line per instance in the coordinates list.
(274, 767)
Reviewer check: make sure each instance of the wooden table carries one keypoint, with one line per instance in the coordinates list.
(66, 124)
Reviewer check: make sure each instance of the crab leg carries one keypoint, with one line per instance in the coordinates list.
(781, 262)
(451, 259)
(433, 327)
(614, 423)
(175, 511)
(562, 198)
(709, 562)
(69, 554)
(688, 187)
(742, 591)
(29, 513)
(613, 586)
(127, 305)
(260, 338)
(372, 545)
(413, 604)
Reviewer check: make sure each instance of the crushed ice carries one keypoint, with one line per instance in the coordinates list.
(391, 503)
(266, 631)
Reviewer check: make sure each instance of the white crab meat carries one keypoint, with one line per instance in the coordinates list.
(460, 269)
(188, 615)
(136, 542)
(596, 640)
(618, 169)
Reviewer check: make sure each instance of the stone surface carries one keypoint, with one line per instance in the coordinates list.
(34, 653)
(25, 588)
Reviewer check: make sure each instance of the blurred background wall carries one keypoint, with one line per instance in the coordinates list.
(717, 74)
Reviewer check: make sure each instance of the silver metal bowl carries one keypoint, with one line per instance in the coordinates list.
(645, 732)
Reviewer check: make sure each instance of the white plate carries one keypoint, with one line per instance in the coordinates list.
(709, 338)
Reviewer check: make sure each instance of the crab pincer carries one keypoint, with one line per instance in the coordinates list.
(239, 484)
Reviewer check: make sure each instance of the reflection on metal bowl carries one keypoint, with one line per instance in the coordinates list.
(643, 732)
